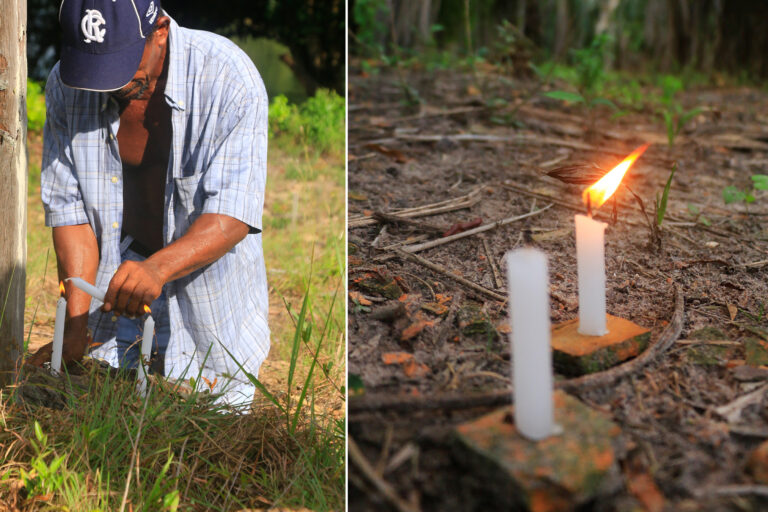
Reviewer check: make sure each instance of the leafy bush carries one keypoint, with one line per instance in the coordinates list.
(317, 124)
(35, 106)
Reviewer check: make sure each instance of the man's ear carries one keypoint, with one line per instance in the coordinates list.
(161, 32)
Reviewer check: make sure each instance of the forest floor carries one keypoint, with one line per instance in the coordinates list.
(690, 421)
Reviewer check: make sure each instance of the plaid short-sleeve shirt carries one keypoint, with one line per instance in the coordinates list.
(217, 165)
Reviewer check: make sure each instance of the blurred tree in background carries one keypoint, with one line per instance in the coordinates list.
(666, 35)
(312, 30)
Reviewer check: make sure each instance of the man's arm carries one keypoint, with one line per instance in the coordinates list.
(135, 284)
(77, 255)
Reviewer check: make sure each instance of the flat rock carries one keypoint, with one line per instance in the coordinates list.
(575, 354)
(758, 463)
(560, 472)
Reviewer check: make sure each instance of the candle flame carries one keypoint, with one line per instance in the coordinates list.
(596, 195)
(61, 288)
(147, 310)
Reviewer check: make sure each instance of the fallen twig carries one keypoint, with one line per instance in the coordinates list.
(449, 205)
(442, 270)
(464, 234)
(734, 490)
(387, 491)
(732, 411)
(755, 264)
(388, 218)
(502, 397)
(492, 262)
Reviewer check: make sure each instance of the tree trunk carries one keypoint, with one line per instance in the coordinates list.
(13, 183)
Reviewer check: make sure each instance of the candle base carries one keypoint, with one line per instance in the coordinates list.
(556, 473)
(575, 354)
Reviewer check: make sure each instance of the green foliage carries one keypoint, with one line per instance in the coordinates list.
(732, 194)
(570, 97)
(35, 106)
(671, 111)
(370, 32)
(317, 124)
(697, 215)
(661, 204)
(590, 65)
(760, 181)
(588, 75)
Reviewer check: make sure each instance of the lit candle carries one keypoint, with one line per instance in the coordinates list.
(590, 249)
(87, 288)
(58, 331)
(590, 257)
(146, 351)
(531, 352)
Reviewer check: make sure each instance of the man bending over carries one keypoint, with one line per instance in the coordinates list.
(154, 166)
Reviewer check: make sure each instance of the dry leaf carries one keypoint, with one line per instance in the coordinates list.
(460, 227)
(359, 298)
(413, 329)
(732, 311)
(396, 357)
(473, 91)
(356, 196)
(395, 154)
(644, 489)
(415, 369)
(435, 307)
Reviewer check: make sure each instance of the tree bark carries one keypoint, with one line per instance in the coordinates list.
(13, 183)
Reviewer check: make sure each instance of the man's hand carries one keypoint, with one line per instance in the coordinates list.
(138, 283)
(135, 284)
(76, 341)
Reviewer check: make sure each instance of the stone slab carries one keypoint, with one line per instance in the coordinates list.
(558, 473)
(575, 354)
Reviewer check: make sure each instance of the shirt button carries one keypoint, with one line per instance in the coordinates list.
(111, 137)
(114, 179)
(181, 104)
(115, 225)
(114, 318)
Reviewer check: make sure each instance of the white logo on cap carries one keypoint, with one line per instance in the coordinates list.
(151, 12)
(90, 26)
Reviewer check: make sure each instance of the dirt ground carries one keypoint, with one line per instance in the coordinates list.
(415, 332)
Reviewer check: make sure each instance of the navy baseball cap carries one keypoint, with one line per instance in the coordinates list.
(103, 41)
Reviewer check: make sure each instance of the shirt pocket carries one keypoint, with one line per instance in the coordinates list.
(189, 199)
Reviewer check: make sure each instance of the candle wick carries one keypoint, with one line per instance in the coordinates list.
(589, 205)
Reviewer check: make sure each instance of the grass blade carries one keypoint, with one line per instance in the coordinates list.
(664, 196)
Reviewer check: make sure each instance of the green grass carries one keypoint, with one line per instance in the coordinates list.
(108, 447)
(190, 456)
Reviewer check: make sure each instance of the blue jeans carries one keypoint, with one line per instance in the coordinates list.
(130, 331)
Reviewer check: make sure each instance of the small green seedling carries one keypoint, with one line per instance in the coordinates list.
(673, 114)
(661, 204)
(697, 216)
(590, 76)
(733, 194)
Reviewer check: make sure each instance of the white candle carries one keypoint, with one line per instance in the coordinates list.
(87, 288)
(58, 334)
(531, 350)
(590, 257)
(146, 350)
